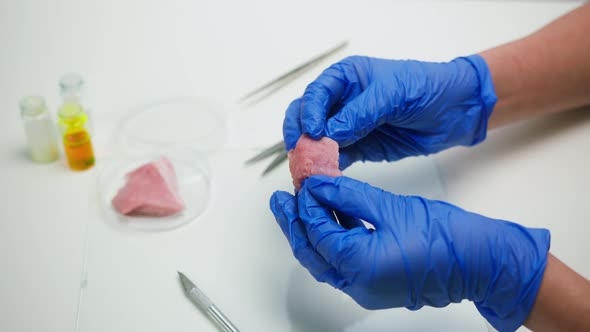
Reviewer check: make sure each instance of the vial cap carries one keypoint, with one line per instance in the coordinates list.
(71, 81)
(32, 105)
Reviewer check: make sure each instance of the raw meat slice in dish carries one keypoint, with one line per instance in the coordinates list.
(310, 157)
(151, 190)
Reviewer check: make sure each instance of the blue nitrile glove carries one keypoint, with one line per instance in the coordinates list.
(380, 109)
(421, 252)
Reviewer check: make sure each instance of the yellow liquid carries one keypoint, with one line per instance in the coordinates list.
(78, 149)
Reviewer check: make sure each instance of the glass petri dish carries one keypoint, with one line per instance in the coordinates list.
(192, 172)
(197, 123)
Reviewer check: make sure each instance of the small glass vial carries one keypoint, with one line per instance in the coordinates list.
(73, 91)
(39, 129)
(76, 139)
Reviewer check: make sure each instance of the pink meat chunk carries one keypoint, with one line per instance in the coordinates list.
(312, 157)
(151, 190)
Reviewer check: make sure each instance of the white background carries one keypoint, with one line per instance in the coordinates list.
(64, 268)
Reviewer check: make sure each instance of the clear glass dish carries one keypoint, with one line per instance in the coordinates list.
(184, 129)
(192, 172)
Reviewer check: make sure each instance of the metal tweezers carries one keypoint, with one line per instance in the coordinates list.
(279, 82)
(278, 149)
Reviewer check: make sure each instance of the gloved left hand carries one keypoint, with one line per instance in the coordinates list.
(421, 252)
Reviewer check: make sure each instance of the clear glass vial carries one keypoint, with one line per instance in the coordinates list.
(39, 129)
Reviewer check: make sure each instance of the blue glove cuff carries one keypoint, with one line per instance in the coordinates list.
(487, 94)
(506, 309)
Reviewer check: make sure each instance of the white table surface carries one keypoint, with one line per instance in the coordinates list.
(65, 269)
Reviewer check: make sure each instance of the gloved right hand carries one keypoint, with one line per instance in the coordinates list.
(380, 109)
(421, 252)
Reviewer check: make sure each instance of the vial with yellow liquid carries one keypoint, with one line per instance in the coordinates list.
(73, 123)
(73, 91)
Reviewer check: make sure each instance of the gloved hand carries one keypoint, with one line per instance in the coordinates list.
(380, 109)
(421, 252)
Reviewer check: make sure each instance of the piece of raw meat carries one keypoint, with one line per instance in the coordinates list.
(310, 157)
(151, 190)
